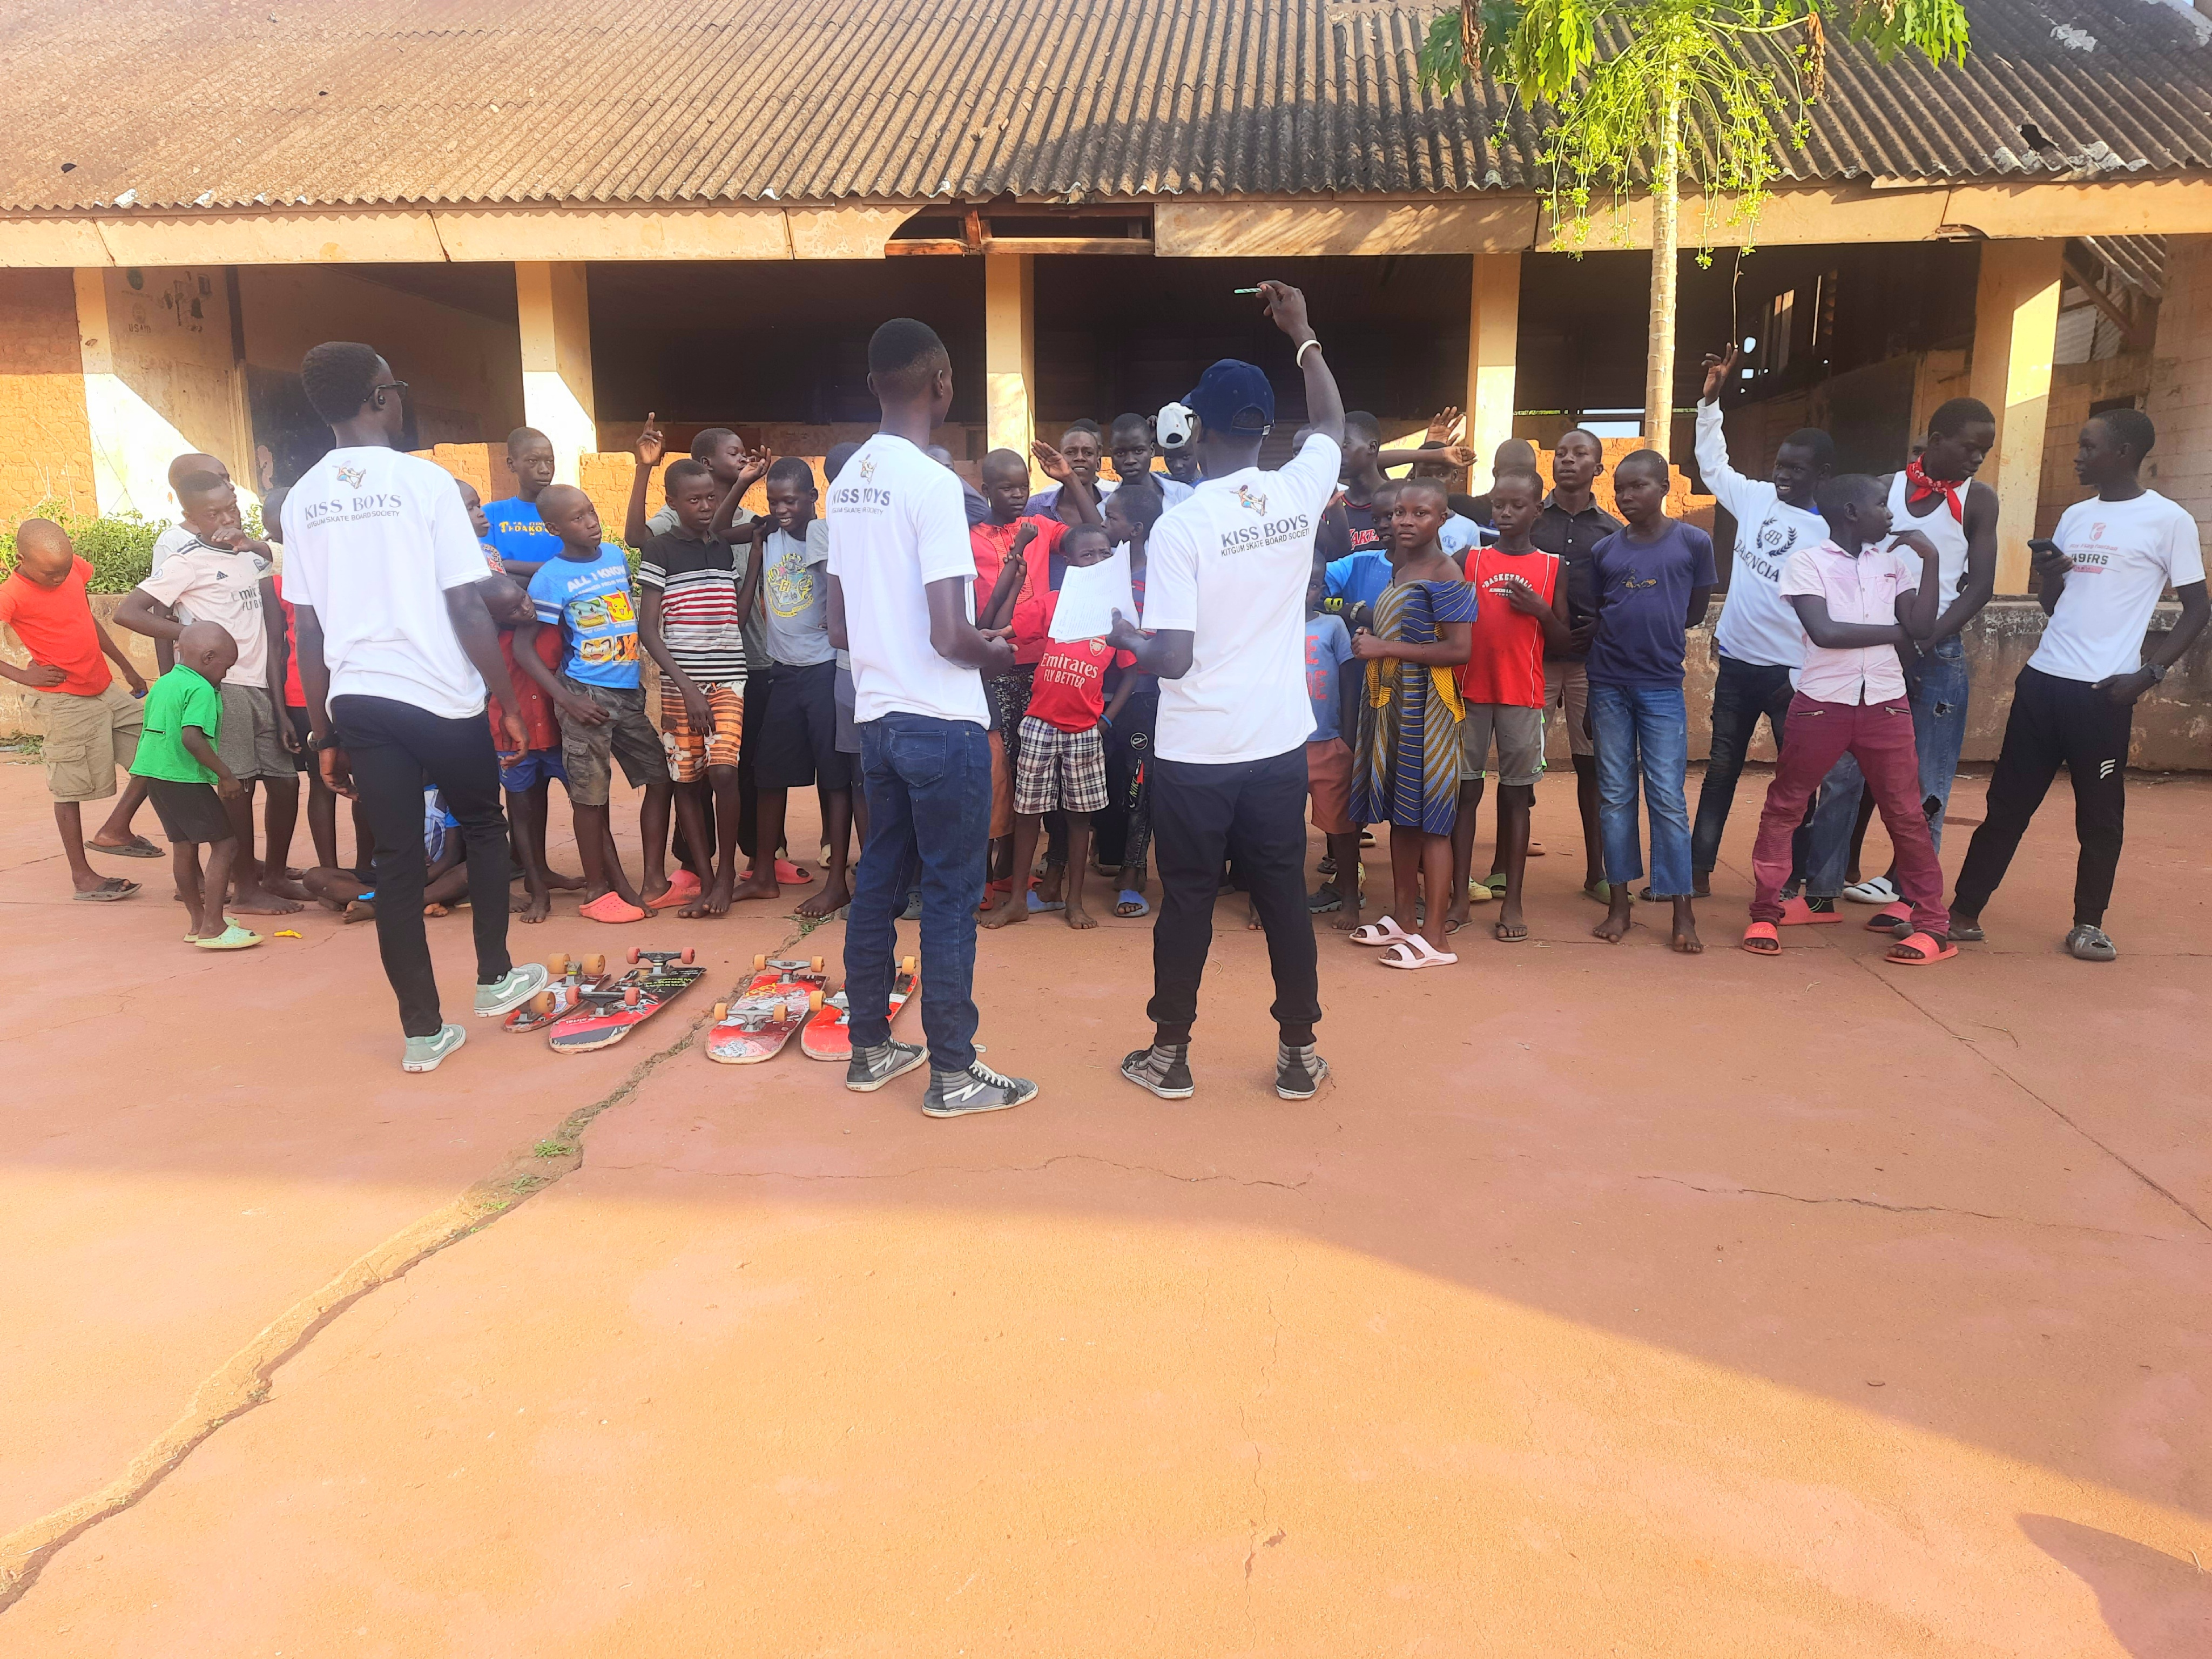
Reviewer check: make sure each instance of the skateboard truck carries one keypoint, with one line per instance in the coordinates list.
(659, 959)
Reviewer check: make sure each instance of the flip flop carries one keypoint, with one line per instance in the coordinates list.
(140, 847)
(1413, 952)
(1599, 892)
(788, 874)
(1493, 885)
(1385, 932)
(107, 892)
(2087, 943)
(1967, 933)
(1924, 948)
(611, 908)
(1508, 932)
(1132, 903)
(1038, 907)
(1799, 914)
(1875, 889)
(1890, 918)
(233, 937)
(1761, 939)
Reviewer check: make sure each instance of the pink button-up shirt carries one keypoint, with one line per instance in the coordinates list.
(1857, 590)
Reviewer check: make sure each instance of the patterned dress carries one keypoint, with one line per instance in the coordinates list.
(1407, 771)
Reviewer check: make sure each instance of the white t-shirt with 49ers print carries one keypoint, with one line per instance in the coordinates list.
(2125, 555)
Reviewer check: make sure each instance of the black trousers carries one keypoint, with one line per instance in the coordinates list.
(2055, 722)
(1253, 812)
(1743, 694)
(1127, 749)
(398, 750)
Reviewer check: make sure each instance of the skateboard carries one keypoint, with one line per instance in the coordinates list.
(607, 1012)
(568, 975)
(828, 1034)
(755, 1026)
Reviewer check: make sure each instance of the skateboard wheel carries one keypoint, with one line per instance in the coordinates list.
(759, 963)
(814, 1001)
(630, 997)
(595, 964)
(685, 955)
(630, 955)
(557, 964)
(721, 1012)
(542, 1005)
(818, 965)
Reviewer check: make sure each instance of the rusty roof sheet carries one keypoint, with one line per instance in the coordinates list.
(234, 103)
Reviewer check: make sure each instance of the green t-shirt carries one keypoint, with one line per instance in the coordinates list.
(181, 697)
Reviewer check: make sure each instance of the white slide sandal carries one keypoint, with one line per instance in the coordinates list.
(1385, 932)
(1414, 951)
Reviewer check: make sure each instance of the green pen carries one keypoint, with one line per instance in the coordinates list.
(1243, 290)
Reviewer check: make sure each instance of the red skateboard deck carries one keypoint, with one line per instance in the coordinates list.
(828, 1034)
(754, 1027)
(568, 976)
(606, 1014)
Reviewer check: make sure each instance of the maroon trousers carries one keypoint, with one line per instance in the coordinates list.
(1879, 735)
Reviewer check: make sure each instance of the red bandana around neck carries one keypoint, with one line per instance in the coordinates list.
(1918, 486)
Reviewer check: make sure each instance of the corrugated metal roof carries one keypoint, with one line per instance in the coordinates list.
(229, 103)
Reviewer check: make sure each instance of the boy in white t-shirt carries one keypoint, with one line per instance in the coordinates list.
(2101, 574)
(1224, 601)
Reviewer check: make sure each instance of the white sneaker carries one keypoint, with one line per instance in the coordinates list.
(1877, 890)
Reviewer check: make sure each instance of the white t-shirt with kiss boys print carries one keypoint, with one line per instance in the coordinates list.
(2125, 555)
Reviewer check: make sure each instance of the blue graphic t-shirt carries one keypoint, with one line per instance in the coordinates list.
(517, 531)
(1643, 602)
(1328, 646)
(590, 600)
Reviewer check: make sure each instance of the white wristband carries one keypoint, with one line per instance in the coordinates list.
(1311, 345)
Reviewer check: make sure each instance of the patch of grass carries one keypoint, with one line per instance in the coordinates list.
(554, 1149)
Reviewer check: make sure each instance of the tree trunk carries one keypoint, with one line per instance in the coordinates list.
(1666, 239)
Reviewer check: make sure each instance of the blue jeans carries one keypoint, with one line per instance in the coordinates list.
(1938, 693)
(929, 813)
(1647, 727)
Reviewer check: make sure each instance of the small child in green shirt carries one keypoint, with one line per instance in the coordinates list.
(188, 783)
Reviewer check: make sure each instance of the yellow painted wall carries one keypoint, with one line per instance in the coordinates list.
(175, 386)
(45, 445)
(464, 372)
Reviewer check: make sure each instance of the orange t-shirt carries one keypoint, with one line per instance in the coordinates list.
(55, 625)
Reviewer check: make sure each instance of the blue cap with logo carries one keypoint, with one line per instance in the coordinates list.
(1229, 393)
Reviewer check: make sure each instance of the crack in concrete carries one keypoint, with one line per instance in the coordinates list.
(1888, 984)
(1920, 1209)
(244, 1380)
(1298, 1186)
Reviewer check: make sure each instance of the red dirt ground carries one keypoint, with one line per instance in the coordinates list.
(1606, 1303)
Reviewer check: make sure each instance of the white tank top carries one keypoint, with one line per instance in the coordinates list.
(1947, 533)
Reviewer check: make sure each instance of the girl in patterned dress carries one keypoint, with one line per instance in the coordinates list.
(1405, 771)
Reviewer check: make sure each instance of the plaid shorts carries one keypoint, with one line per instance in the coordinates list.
(692, 752)
(1059, 771)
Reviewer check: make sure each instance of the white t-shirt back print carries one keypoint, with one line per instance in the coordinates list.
(2125, 555)
(372, 540)
(1229, 565)
(897, 522)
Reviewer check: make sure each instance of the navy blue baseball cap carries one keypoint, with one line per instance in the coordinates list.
(1229, 394)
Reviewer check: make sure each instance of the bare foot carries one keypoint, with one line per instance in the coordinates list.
(561, 883)
(1013, 908)
(532, 907)
(1685, 937)
(1346, 919)
(360, 910)
(833, 896)
(1251, 920)
(286, 886)
(758, 884)
(1050, 884)
(1614, 928)
(256, 902)
(435, 910)
(994, 899)
(1075, 916)
(714, 901)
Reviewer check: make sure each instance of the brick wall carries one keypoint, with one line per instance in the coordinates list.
(45, 445)
(2073, 388)
(2181, 380)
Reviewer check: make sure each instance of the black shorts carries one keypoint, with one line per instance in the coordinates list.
(797, 739)
(189, 812)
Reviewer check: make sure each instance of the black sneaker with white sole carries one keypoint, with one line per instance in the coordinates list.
(978, 1089)
(1299, 1071)
(869, 1069)
(1163, 1069)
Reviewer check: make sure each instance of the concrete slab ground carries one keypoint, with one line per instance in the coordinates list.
(1608, 1302)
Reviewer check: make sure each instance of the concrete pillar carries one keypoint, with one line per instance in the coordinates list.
(2180, 401)
(1010, 350)
(550, 301)
(2015, 327)
(1492, 338)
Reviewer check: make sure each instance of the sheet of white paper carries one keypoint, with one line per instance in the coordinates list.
(1090, 594)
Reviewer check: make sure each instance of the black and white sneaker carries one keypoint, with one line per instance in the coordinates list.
(1299, 1072)
(978, 1089)
(869, 1069)
(1164, 1068)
